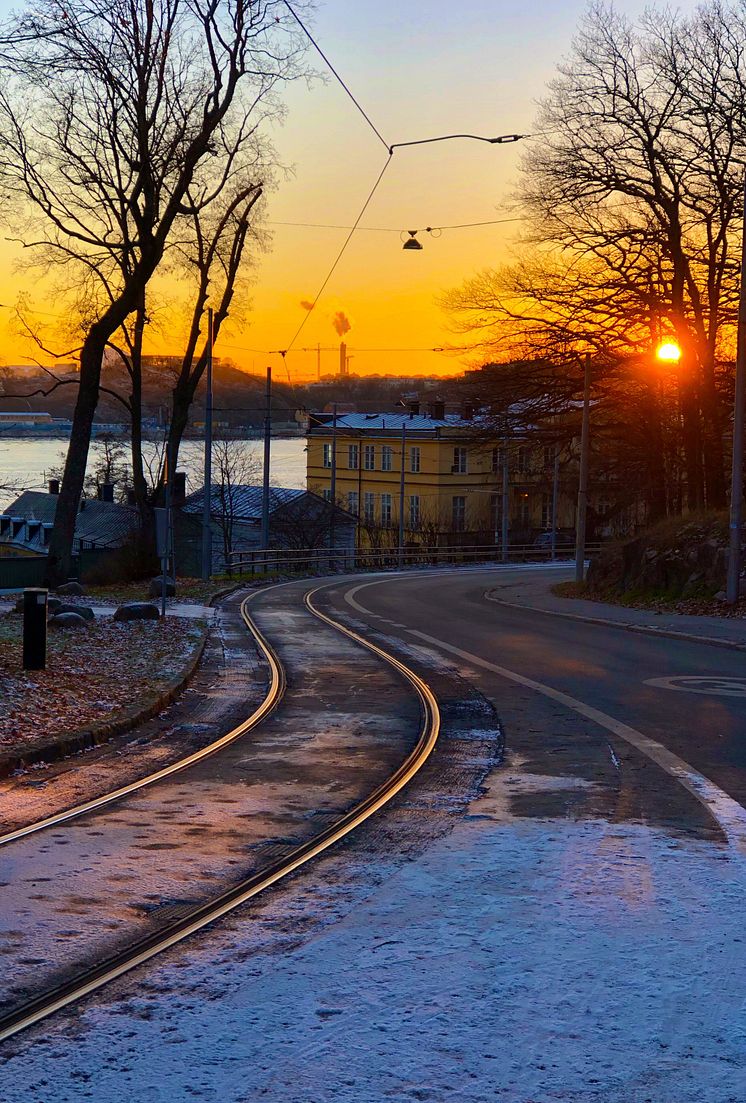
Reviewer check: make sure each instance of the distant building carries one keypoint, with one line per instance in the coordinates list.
(298, 519)
(453, 475)
(102, 528)
(451, 481)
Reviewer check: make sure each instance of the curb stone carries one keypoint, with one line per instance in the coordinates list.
(642, 629)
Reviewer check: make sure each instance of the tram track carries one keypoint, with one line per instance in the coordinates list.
(275, 693)
(87, 981)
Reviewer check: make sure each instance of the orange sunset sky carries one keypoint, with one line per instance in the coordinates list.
(420, 69)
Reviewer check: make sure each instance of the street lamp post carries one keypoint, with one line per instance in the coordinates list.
(733, 584)
(580, 521)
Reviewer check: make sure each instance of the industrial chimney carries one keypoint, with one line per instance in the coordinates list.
(342, 358)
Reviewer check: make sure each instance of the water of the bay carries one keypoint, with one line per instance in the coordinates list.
(25, 463)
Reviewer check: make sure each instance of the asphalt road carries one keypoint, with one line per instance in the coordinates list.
(611, 670)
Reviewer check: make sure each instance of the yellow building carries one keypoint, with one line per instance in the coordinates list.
(451, 484)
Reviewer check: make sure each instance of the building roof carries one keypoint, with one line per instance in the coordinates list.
(245, 501)
(417, 423)
(103, 524)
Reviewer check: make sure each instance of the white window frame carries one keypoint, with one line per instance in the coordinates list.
(387, 458)
(414, 510)
(353, 450)
(460, 461)
(386, 510)
(353, 502)
(414, 460)
(369, 457)
(327, 460)
(369, 507)
(458, 513)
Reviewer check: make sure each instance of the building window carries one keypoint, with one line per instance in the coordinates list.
(525, 513)
(369, 457)
(387, 455)
(353, 502)
(459, 513)
(546, 511)
(523, 460)
(495, 460)
(353, 456)
(548, 456)
(414, 460)
(386, 510)
(414, 511)
(459, 461)
(369, 507)
(327, 455)
(327, 494)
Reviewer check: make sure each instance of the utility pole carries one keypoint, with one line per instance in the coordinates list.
(401, 495)
(265, 472)
(166, 530)
(733, 584)
(555, 500)
(318, 362)
(583, 483)
(333, 487)
(506, 504)
(207, 493)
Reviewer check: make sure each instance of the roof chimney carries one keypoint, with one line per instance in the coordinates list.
(54, 486)
(106, 492)
(436, 409)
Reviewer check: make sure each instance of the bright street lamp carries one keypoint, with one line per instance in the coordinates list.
(668, 352)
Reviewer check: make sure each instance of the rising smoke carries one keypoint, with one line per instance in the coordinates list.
(341, 323)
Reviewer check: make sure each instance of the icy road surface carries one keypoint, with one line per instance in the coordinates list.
(514, 960)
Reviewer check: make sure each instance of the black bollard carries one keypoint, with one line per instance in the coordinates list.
(35, 628)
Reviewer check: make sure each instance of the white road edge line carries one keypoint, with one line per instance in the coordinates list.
(727, 812)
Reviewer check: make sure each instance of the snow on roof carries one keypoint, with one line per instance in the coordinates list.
(413, 423)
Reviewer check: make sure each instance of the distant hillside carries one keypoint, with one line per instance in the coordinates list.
(238, 396)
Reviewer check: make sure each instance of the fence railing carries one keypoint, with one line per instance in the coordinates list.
(294, 560)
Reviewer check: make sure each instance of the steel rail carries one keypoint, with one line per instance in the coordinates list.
(156, 943)
(275, 693)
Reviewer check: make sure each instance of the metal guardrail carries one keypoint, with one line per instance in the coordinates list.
(290, 560)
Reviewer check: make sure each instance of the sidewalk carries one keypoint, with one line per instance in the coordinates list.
(173, 609)
(534, 591)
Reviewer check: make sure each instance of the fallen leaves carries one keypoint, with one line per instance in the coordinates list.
(92, 674)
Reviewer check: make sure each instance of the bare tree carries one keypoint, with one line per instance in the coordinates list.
(633, 195)
(119, 118)
(234, 466)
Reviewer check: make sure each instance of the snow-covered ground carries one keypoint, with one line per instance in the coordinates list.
(519, 960)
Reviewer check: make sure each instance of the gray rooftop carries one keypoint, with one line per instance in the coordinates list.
(105, 524)
(245, 500)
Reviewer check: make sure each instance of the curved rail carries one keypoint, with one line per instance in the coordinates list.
(275, 692)
(151, 945)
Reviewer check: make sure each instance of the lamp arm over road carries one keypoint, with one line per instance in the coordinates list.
(501, 139)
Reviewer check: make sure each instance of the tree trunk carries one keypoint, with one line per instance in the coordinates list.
(59, 560)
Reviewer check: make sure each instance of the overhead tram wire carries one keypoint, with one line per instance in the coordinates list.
(326, 60)
(283, 352)
(394, 230)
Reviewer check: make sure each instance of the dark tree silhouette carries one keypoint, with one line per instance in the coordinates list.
(118, 119)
